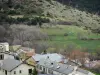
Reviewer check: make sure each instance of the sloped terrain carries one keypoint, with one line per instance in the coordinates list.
(53, 10)
(67, 13)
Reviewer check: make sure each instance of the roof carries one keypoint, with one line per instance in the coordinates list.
(8, 53)
(10, 64)
(45, 74)
(27, 49)
(4, 43)
(62, 68)
(82, 71)
(30, 54)
(31, 62)
(15, 47)
(25, 52)
(53, 57)
(59, 67)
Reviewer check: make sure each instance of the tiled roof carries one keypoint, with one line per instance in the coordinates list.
(61, 68)
(10, 64)
(31, 62)
(82, 71)
(45, 74)
(53, 57)
(27, 49)
(30, 54)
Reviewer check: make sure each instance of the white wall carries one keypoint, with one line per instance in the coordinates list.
(2, 72)
(8, 56)
(77, 73)
(91, 73)
(56, 73)
(80, 73)
(24, 68)
(5, 46)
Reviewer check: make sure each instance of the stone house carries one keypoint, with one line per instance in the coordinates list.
(47, 66)
(15, 67)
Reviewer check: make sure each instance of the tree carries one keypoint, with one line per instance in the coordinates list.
(40, 24)
(32, 6)
(25, 35)
(45, 52)
(2, 34)
(41, 47)
(35, 72)
(78, 56)
(2, 31)
(10, 3)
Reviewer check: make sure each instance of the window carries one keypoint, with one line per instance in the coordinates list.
(3, 70)
(37, 66)
(14, 72)
(30, 71)
(40, 67)
(50, 71)
(1, 57)
(43, 69)
(20, 71)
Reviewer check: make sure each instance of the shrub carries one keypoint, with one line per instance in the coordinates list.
(65, 34)
(13, 12)
(11, 20)
(24, 19)
(18, 6)
(49, 15)
(26, 34)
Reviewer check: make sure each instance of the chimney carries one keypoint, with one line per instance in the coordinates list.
(47, 57)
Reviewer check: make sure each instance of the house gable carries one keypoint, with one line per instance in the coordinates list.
(22, 69)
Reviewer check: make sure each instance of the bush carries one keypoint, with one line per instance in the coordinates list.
(10, 20)
(82, 36)
(96, 70)
(23, 34)
(65, 34)
(18, 6)
(24, 19)
(38, 20)
(49, 15)
(13, 12)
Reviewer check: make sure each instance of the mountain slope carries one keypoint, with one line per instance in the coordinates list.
(56, 12)
(83, 18)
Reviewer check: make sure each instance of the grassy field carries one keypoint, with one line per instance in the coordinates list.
(97, 74)
(60, 41)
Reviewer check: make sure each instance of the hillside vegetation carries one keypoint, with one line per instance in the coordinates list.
(53, 10)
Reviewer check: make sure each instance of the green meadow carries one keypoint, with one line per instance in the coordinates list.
(61, 36)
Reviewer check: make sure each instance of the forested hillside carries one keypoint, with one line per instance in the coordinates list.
(55, 12)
